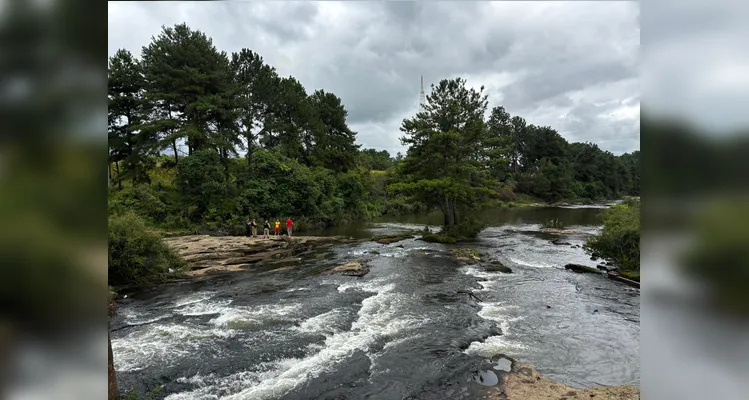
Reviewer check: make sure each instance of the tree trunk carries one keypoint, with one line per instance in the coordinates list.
(114, 393)
(119, 181)
(446, 212)
(174, 147)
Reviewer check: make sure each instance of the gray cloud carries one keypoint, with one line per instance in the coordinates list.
(569, 65)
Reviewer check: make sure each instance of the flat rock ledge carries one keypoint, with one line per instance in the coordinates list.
(523, 382)
(356, 267)
(206, 254)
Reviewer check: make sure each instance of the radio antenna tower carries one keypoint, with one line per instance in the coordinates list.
(422, 96)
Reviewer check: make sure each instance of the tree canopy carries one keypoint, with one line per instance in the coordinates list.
(259, 145)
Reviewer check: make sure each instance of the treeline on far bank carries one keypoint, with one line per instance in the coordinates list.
(258, 145)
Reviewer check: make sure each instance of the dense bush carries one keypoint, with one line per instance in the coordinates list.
(720, 256)
(136, 254)
(619, 241)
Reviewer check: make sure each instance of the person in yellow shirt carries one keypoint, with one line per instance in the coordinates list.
(278, 227)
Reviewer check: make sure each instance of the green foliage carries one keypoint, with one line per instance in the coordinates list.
(136, 254)
(438, 238)
(132, 395)
(719, 255)
(619, 241)
(442, 167)
(301, 157)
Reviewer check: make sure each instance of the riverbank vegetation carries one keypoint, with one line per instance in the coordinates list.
(619, 241)
(200, 140)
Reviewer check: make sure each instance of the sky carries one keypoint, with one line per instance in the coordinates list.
(574, 66)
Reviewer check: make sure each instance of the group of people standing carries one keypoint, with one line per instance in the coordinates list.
(251, 228)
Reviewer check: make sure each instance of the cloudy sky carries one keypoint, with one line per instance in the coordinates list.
(571, 65)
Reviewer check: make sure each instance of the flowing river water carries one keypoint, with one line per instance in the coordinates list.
(406, 330)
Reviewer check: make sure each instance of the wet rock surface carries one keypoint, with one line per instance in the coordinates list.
(515, 381)
(206, 254)
(581, 269)
(356, 267)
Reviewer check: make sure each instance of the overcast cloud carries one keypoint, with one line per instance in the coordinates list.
(571, 65)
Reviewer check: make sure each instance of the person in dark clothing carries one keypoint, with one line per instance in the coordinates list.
(266, 229)
(247, 225)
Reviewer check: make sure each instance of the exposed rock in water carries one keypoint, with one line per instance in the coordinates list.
(525, 383)
(206, 254)
(466, 255)
(387, 239)
(559, 242)
(353, 268)
(437, 238)
(621, 278)
(496, 266)
(581, 268)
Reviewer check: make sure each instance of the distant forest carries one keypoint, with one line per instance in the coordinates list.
(299, 157)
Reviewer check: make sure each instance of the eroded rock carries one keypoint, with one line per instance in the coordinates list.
(206, 254)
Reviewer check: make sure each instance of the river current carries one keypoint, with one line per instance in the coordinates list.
(407, 330)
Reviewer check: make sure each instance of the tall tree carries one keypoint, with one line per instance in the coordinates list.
(288, 117)
(129, 146)
(333, 143)
(191, 91)
(444, 160)
(517, 141)
(498, 144)
(256, 83)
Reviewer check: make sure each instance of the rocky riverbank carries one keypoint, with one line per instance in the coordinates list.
(206, 255)
(523, 382)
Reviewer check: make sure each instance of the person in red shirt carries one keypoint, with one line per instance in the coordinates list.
(289, 225)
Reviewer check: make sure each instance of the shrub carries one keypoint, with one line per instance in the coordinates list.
(720, 256)
(505, 194)
(467, 229)
(619, 242)
(136, 254)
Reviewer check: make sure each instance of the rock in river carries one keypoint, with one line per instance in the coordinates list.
(581, 268)
(496, 266)
(353, 268)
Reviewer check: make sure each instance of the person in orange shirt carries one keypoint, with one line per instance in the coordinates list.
(289, 225)
(278, 227)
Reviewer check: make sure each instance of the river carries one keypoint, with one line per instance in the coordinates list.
(402, 331)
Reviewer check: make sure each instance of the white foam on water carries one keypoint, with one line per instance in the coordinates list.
(240, 317)
(134, 317)
(474, 271)
(206, 307)
(492, 346)
(323, 323)
(534, 264)
(501, 315)
(192, 298)
(372, 286)
(295, 289)
(380, 315)
(498, 313)
(159, 344)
